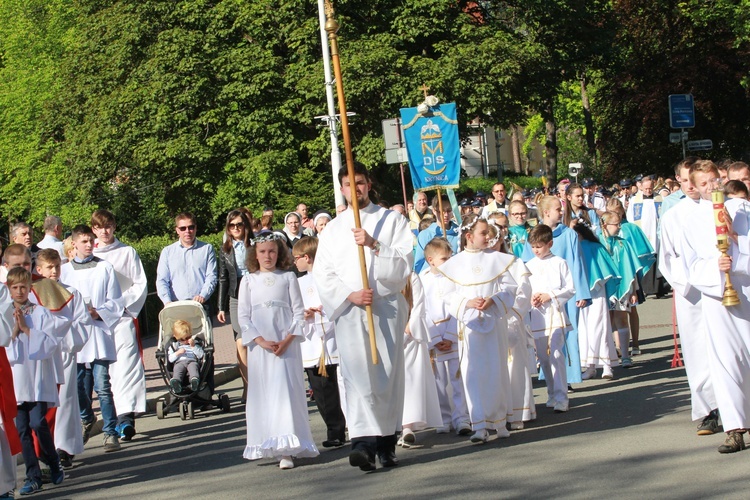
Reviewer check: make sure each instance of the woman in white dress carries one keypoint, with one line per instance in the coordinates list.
(271, 318)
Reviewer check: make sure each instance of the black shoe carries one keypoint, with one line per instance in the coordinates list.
(361, 459)
(66, 459)
(388, 459)
(332, 443)
(710, 425)
(734, 443)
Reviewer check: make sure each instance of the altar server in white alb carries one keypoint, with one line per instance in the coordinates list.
(443, 330)
(271, 314)
(374, 393)
(68, 433)
(421, 406)
(727, 326)
(97, 282)
(320, 356)
(127, 373)
(481, 299)
(520, 368)
(551, 287)
(10, 444)
(687, 301)
(33, 345)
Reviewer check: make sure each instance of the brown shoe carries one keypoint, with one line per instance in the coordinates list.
(733, 443)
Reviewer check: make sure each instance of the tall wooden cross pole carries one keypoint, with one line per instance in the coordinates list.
(331, 28)
(424, 88)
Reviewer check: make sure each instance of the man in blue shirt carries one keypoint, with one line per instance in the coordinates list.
(187, 267)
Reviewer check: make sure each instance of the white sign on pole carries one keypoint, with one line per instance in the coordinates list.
(396, 156)
(701, 145)
(675, 137)
(393, 134)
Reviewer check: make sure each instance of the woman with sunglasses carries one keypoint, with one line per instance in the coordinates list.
(231, 270)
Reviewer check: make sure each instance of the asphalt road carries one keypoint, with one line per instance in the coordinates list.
(630, 437)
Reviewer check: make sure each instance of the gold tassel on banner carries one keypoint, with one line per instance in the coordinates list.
(322, 361)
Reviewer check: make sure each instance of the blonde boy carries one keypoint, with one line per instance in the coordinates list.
(443, 332)
(186, 353)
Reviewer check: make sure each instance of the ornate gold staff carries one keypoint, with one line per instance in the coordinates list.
(729, 297)
(332, 27)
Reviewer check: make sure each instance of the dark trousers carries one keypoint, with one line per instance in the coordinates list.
(375, 444)
(30, 418)
(326, 392)
(653, 283)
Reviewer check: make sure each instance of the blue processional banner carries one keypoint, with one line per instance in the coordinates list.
(432, 147)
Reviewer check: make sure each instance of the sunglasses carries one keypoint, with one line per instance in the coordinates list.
(236, 225)
(182, 229)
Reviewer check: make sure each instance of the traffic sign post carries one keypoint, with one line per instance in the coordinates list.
(701, 145)
(681, 115)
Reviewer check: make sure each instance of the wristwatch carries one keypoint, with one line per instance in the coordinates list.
(376, 247)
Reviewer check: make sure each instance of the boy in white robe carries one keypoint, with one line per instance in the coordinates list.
(320, 356)
(551, 287)
(443, 330)
(126, 372)
(481, 298)
(67, 432)
(34, 379)
(727, 326)
(96, 281)
(687, 304)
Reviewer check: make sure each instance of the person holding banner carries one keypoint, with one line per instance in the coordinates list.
(375, 392)
(448, 230)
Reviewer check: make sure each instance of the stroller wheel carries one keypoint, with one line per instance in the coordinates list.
(224, 403)
(160, 409)
(183, 410)
(190, 410)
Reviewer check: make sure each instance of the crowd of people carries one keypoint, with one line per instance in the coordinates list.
(397, 323)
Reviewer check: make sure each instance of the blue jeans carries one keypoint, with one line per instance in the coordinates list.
(96, 379)
(30, 417)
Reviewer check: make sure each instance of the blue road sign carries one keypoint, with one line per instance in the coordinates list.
(681, 111)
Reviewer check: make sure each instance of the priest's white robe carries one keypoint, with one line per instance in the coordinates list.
(687, 303)
(97, 283)
(421, 406)
(645, 214)
(728, 327)
(483, 335)
(374, 393)
(127, 373)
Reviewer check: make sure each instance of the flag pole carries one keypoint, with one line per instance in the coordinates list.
(332, 26)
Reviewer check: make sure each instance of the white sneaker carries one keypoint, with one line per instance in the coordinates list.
(550, 403)
(561, 407)
(516, 426)
(445, 429)
(286, 463)
(589, 373)
(503, 432)
(608, 373)
(480, 436)
(464, 429)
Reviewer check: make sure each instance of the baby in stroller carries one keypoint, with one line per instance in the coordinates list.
(186, 353)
